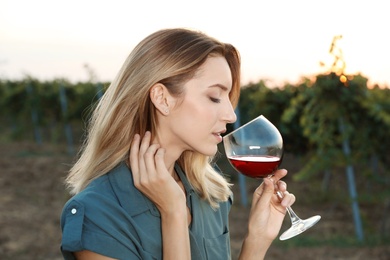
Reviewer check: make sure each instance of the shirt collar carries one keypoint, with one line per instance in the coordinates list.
(183, 177)
(130, 198)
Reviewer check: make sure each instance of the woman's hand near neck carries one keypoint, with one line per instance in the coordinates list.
(155, 180)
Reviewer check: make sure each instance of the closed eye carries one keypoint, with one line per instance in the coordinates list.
(215, 100)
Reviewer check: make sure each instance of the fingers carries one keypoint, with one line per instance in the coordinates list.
(142, 158)
(134, 151)
(264, 193)
(279, 174)
(146, 155)
(159, 159)
(288, 199)
(279, 184)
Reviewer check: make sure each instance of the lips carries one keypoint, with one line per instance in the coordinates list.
(218, 137)
(221, 132)
(218, 134)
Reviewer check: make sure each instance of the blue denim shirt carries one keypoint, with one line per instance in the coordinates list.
(113, 218)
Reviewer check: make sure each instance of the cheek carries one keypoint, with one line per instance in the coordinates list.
(196, 113)
(191, 107)
(202, 115)
(192, 125)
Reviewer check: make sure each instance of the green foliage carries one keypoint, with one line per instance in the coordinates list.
(29, 103)
(308, 115)
(258, 99)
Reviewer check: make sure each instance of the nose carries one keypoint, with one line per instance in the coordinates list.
(229, 114)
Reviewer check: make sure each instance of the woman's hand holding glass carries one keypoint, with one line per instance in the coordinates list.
(266, 216)
(267, 210)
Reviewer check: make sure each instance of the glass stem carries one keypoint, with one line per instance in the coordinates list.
(293, 216)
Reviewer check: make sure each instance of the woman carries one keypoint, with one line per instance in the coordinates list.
(144, 185)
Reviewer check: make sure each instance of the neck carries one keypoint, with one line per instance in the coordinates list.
(172, 153)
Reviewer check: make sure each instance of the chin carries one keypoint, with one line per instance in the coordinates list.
(209, 152)
(206, 149)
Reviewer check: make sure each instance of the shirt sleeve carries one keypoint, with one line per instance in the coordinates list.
(72, 226)
(82, 233)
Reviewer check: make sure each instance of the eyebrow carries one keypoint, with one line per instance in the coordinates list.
(223, 87)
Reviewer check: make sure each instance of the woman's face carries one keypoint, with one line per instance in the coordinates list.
(201, 114)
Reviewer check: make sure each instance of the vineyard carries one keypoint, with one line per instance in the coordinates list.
(336, 134)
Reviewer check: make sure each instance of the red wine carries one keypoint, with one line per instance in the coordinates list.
(255, 166)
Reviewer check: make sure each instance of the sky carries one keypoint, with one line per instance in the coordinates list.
(279, 41)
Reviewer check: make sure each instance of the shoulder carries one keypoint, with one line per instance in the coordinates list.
(90, 219)
(100, 218)
(101, 195)
(82, 207)
(102, 190)
(95, 193)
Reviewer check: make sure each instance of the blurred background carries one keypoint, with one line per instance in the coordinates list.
(318, 70)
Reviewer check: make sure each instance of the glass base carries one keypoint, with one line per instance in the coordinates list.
(299, 226)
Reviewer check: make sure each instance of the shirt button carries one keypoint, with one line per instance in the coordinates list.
(73, 211)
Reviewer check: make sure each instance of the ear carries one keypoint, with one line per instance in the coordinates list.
(159, 95)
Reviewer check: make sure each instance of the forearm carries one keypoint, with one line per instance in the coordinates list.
(175, 236)
(254, 248)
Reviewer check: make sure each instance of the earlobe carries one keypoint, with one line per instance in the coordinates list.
(159, 97)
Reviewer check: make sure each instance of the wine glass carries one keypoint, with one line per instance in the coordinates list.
(255, 150)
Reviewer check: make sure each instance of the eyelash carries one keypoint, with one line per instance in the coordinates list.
(215, 100)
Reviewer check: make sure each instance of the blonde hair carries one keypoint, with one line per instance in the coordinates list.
(170, 57)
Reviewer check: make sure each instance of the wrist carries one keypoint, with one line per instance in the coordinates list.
(173, 214)
(173, 210)
(254, 247)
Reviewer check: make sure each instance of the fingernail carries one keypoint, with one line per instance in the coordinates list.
(282, 184)
(268, 179)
